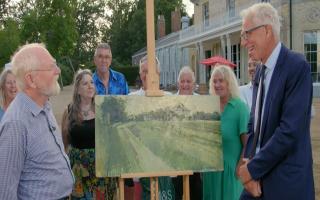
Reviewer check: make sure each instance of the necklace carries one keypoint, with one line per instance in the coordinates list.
(86, 113)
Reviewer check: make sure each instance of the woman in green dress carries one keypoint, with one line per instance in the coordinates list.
(225, 185)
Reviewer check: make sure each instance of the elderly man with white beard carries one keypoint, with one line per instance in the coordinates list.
(33, 163)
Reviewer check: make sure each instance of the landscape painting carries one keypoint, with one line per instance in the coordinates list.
(138, 134)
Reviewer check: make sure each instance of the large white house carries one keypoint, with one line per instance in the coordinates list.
(216, 31)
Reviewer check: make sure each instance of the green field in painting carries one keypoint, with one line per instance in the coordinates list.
(156, 146)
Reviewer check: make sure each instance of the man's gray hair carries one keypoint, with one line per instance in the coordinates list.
(25, 60)
(186, 70)
(263, 14)
(144, 59)
(102, 46)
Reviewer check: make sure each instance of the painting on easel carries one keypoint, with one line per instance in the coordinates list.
(138, 134)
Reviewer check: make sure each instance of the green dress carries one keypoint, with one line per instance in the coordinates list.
(225, 185)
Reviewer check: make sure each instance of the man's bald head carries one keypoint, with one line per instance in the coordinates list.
(29, 57)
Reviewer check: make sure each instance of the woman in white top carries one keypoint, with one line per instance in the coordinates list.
(186, 81)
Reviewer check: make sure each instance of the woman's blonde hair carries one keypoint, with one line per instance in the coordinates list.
(228, 75)
(3, 78)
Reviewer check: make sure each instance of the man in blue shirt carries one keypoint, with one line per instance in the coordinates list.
(106, 80)
(109, 82)
(33, 162)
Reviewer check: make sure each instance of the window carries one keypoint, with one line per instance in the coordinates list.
(235, 58)
(231, 8)
(208, 68)
(205, 12)
(311, 51)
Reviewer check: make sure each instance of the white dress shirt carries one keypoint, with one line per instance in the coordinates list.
(270, 65)
(246, 94)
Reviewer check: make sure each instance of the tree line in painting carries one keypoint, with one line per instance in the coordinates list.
(114, 111)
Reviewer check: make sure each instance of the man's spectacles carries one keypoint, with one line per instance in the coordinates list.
(245, 34)
(52, 68)
(107, 57)
(145, 59)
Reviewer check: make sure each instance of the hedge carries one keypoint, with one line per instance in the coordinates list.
(131, 73)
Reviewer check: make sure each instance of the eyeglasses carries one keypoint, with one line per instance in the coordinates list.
(145, 59)
(107, 57)
(245, 34)
(52, 68)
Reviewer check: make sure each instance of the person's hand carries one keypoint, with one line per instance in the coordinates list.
(243, 172)
(254, 188)
(241, 162)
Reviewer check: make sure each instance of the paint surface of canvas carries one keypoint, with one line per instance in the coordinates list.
(138, 134)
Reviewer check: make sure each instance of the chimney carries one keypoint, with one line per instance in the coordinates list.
(175, 20)
(185, 20)
(161, 24)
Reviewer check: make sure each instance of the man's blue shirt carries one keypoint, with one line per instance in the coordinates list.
(33, 162)
(1, 113)
(117, 84)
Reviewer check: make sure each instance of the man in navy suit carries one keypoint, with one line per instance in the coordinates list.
(279, 160)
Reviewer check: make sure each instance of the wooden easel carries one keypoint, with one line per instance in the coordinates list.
(154, 91)
(152, 76)
(154, 185)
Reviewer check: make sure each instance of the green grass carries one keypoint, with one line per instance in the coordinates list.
(150, 146)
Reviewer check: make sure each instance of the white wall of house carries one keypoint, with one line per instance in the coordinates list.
(223, 32)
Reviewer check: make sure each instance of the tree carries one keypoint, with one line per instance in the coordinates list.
(127, 30)
(113, 109)
(4, 11)
(51, 22)
(137, 28)
(9, 40)
(90, 21)
(116, 33)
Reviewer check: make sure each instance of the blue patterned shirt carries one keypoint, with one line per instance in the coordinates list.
(117, 84)
(1, 113)
(33, 163)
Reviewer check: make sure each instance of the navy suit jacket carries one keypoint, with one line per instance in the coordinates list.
(284, 163)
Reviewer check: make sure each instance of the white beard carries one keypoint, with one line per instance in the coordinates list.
(52, 91)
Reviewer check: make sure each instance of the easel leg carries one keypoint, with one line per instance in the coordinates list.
(121, 188)
(154, 191)
(186, 188)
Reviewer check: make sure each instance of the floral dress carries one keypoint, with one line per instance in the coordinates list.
(82, 158)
